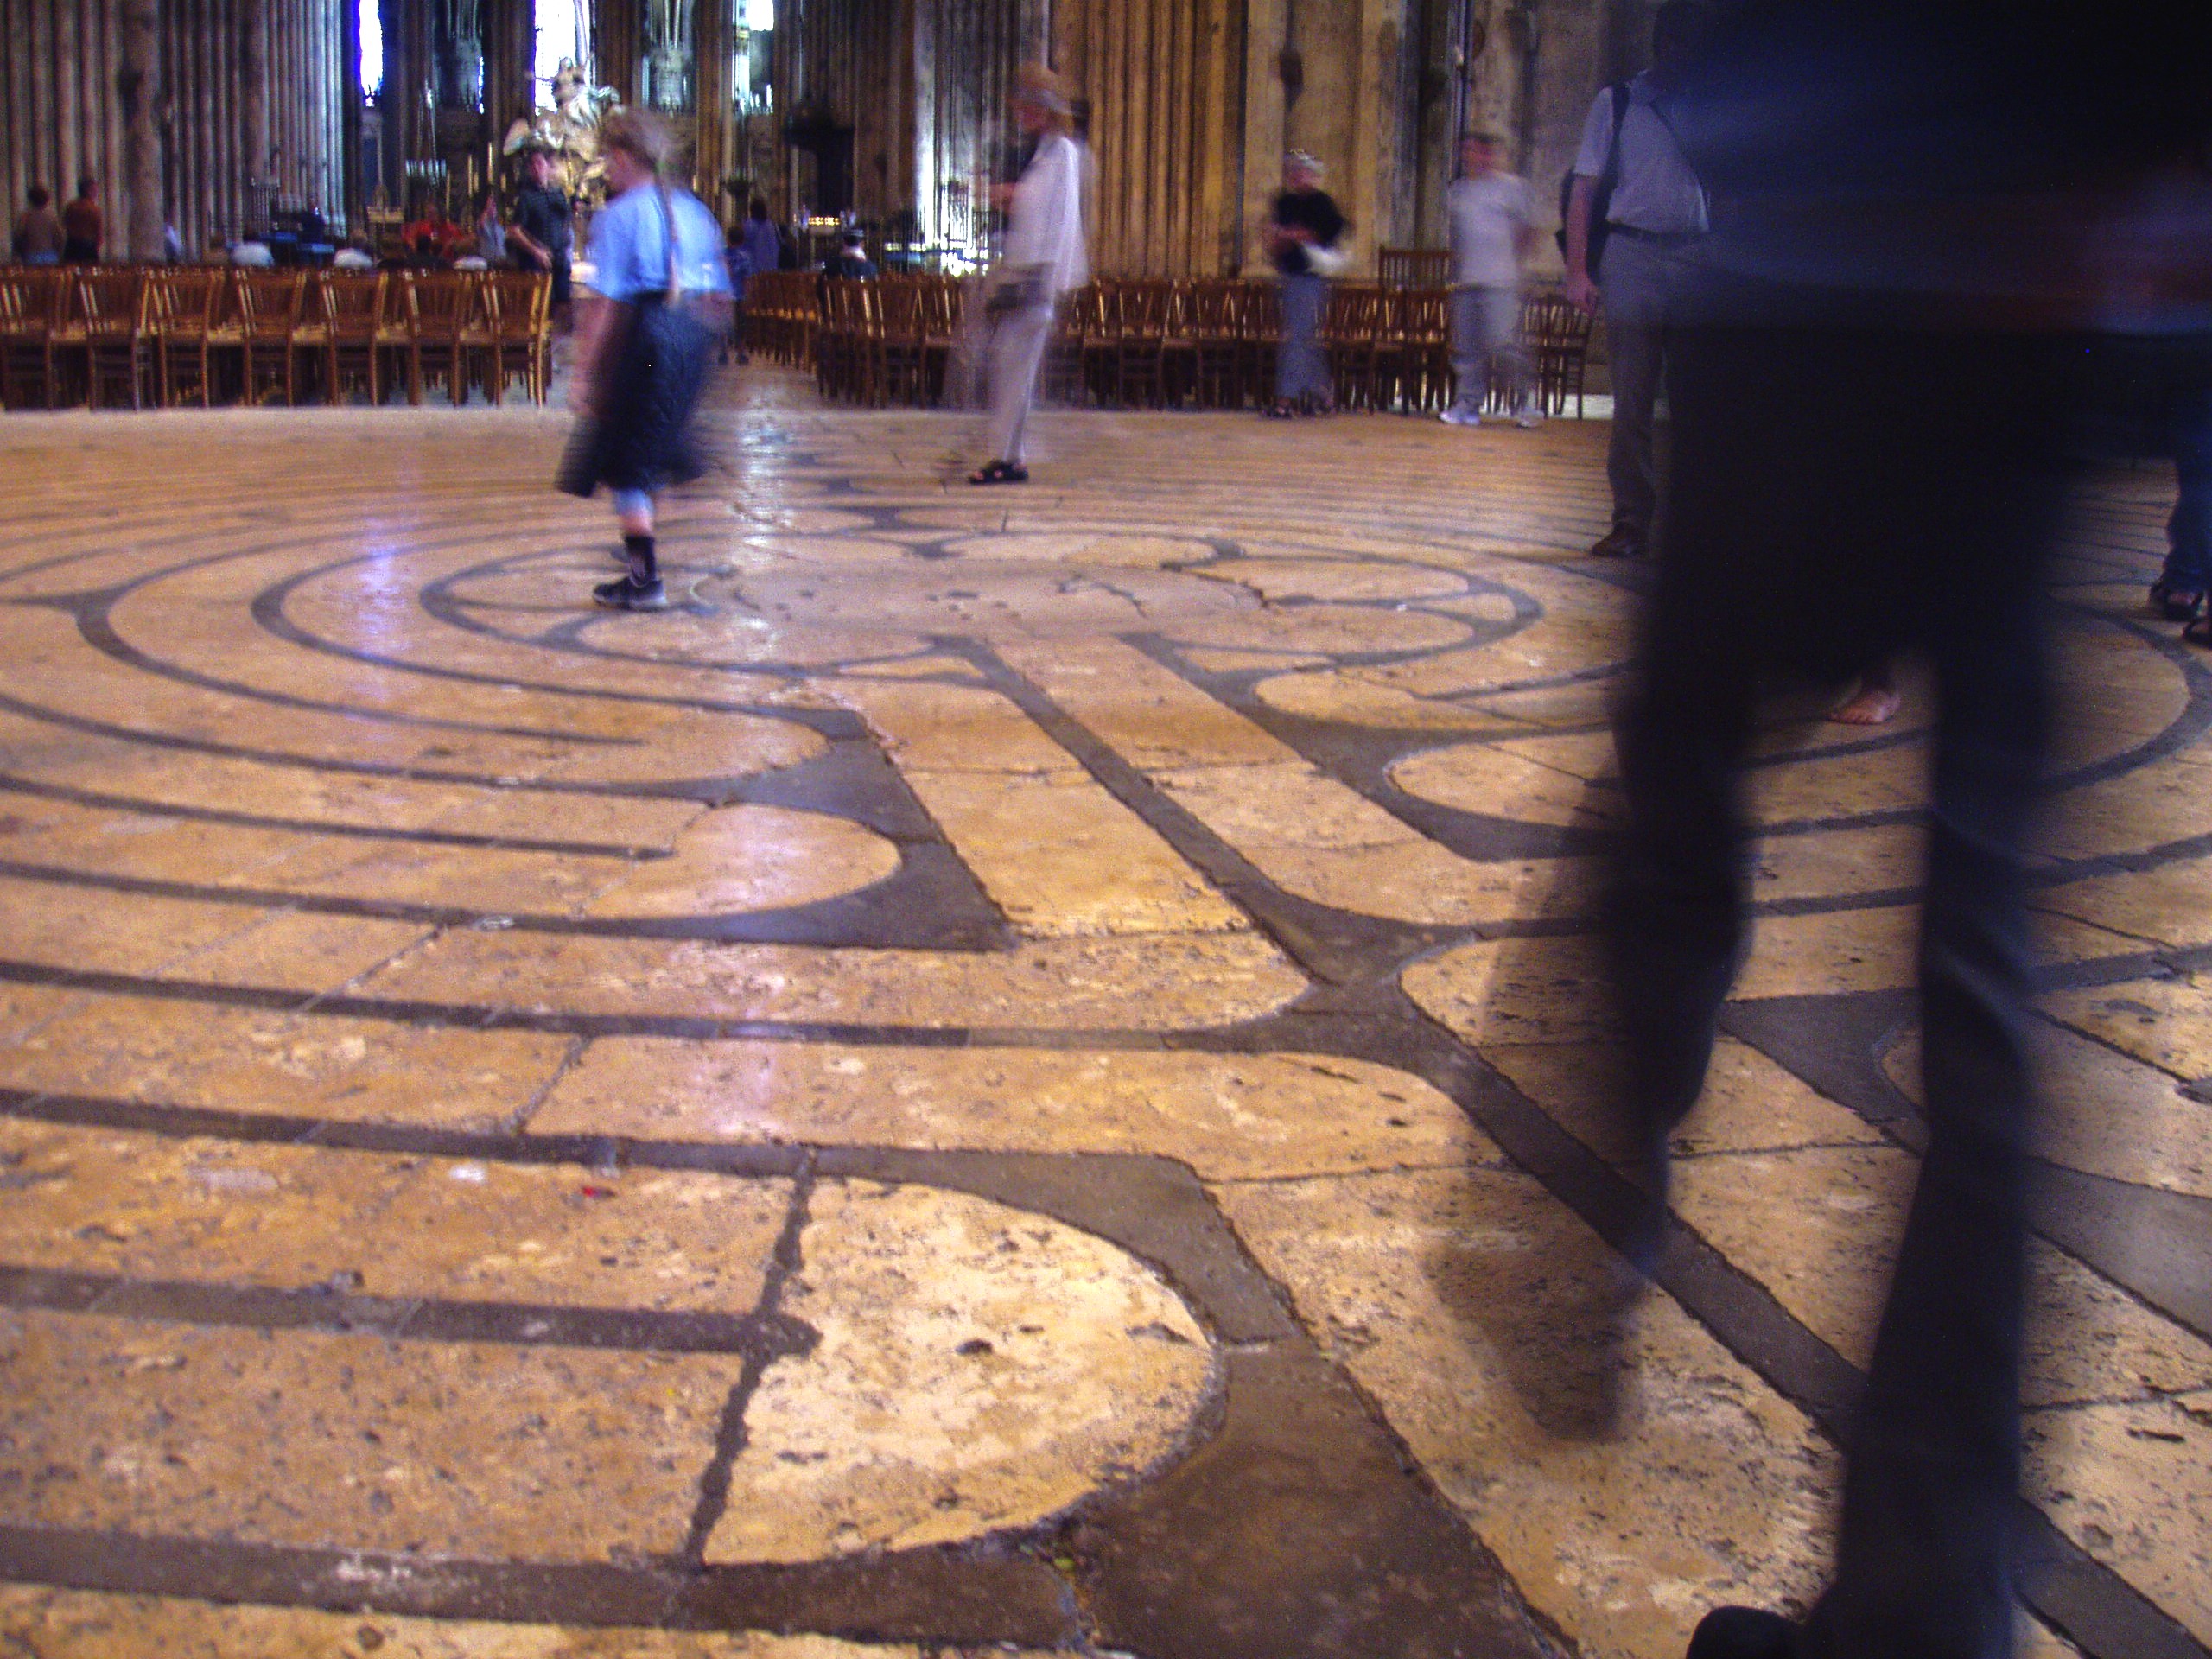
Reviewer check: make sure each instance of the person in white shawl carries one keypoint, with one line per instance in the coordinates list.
(1045, 257)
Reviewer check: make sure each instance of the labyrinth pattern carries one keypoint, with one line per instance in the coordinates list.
(1017, 1072)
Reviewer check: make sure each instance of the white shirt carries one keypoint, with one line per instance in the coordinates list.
(1488, 216)
(1046, 225)
(1657, 192)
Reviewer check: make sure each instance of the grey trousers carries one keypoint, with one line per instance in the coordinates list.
(1639, 282)
(1301, 367)
(1486, 329)
(1017, 350)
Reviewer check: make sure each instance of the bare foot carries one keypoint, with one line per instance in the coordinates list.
(1871, 705)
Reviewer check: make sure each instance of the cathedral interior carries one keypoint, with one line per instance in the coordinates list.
(1022, 1072)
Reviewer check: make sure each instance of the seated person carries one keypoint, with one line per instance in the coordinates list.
(852, 258)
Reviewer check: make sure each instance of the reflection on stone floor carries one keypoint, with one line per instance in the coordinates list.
(881, 1111)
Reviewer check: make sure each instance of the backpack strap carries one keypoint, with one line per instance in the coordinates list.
(668, 229)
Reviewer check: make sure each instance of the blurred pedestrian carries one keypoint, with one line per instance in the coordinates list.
(83, 224)
(1870, 397)
(1634, 210)
(490, 234)
(1490, 239)
(1045, 257)
(39, 237)
(851, 261)
(755, 249)
(1305, 233)
(644, 347)
(541, 236)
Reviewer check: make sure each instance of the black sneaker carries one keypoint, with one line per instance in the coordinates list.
(628, 595)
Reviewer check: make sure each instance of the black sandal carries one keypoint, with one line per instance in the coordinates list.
(999, 472)
(2199, 631)
(2176, 603)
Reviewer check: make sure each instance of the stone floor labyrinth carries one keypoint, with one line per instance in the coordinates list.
(1017, 1073)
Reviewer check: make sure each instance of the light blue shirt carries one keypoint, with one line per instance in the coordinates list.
(629, 245)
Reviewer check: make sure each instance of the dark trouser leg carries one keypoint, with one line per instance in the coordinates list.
(1923, 1567)
(2189, 532)
(1677, 901)
(1901, 481)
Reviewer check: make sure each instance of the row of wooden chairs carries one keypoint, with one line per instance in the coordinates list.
(1151, 343)
(96, 336)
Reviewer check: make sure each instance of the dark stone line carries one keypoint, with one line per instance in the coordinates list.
(730, 1439)
(974, 1595)
(2157, 1244)
(2087, 1601)
(1301, 1526)
(1834, 1043)
(763, 1337)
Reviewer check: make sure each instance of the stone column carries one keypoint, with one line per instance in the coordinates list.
(253, 108)
(138, 84)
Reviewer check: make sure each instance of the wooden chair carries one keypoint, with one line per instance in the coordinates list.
(521, 304)
(225, 354)
(434, 333)
(1261, 328)
(27, 296)
(900, 342)
(180, 300)
(1216, 343)
(1557, 338)
(476, 336)
(311, 337)
(271, 300)
(395, 347)
(1427, 331)
(68, 346)
(1350, 325)
(352, 310)
(112, 302)
(1141, 343)
(1414, 267)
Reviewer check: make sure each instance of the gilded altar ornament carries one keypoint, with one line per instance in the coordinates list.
(569, 130)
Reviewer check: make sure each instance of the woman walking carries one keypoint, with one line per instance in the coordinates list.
(1303, 232)
(1045, 257)
(643, 346)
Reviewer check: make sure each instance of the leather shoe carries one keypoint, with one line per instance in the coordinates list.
(1620, 541)
(1743, 1633)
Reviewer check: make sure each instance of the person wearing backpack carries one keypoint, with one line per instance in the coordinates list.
(1633, 208)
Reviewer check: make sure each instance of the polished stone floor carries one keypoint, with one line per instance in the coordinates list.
(1016, 1074)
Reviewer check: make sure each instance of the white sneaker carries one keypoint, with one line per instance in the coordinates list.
(1528, 417)
(1459, 417)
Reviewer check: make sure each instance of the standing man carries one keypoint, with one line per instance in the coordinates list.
(541, 236)
(1491, 238)
(1303, 230)
(83, 225)
(1045, 257)
(1633, 211)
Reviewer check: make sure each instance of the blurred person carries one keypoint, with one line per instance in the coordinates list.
(83, 224)
(1633, 211)
(1045, 257)
(754, 248)
(1490, 239)
(1871, 392)
(253, 255)
(2182, 592)
(431, 238)
(354, 256)
(1304, 231)
(490, 234)
(39, 236)
(851, 261)
(541, 235)
(644, 346)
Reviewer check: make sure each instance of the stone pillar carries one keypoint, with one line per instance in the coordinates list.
(253, 109)
(138, 86)
(1265, 120)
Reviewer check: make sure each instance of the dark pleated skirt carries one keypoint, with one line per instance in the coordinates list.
(641, 439)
